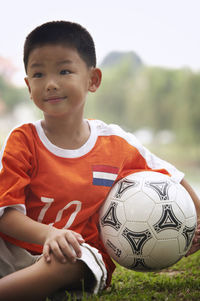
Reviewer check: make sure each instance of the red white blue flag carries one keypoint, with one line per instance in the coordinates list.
(104, 175)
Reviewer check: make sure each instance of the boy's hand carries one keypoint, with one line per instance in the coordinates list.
(63, 243)
(196, 241)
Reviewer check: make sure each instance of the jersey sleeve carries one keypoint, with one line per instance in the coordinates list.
(15, 170)
(152, 162)
(157, 164)
(135, 156)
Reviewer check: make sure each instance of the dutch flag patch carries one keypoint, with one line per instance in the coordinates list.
(104, 175)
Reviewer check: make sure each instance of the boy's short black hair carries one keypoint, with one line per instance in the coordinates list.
(62, 32)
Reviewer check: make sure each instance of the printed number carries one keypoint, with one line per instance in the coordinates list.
(49, 201)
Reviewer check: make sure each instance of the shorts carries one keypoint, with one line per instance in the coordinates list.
(14, 258)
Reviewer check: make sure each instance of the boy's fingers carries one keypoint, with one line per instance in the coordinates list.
(196, 237)
(193, 249)
(55, 248)
(78, 237)
(68, 251)
(74, 244)
(65, 246)
(46, 253)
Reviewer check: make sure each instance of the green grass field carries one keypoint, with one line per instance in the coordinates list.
(180, 282)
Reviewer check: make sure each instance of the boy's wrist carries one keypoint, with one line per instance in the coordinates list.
(198, 215)
(45, 232)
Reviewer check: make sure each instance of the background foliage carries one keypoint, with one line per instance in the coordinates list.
(10, 95)
(137, 96)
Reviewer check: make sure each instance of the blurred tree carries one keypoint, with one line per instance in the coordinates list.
(11, 95)
(137, 96)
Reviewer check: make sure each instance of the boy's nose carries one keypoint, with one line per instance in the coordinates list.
(51, 85)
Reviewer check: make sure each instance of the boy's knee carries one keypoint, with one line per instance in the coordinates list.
(69, 275)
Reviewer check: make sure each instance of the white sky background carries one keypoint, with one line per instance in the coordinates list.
(161, 32)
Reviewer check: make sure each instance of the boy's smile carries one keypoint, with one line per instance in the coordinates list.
(59, 80)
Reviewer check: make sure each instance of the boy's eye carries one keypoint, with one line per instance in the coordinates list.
(37, 74)
(65, 71)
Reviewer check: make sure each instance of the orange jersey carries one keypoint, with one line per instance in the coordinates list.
(66, 188)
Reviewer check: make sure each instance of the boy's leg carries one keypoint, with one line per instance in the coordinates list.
(39, 280)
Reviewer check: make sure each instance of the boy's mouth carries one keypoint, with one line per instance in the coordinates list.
(54, 99)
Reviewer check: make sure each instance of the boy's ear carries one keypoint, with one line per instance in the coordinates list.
(95, 79)
(27, 83)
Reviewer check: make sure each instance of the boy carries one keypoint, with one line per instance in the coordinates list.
(49, 195)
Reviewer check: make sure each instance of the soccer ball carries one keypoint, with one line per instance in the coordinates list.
(148, 221)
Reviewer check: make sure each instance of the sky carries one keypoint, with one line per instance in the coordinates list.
(162, 32)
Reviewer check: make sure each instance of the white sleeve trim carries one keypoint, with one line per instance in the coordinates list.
(21, 208)
(155, 162)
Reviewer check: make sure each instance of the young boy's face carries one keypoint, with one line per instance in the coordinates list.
(59, 80)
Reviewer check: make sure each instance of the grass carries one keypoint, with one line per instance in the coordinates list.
(180, 282)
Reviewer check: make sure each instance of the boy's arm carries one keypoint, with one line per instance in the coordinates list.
(196, 241)
(193, 195)
(57, 241)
